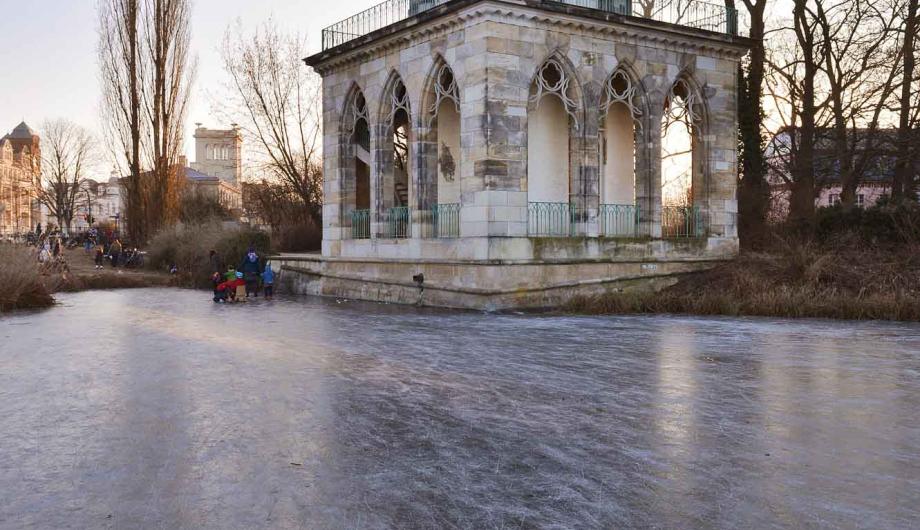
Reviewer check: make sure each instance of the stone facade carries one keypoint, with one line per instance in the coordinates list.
(218, 168)
(497, 53)
(20, 172)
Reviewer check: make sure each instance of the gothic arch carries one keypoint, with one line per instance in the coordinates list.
(439, 146)
(556, 76)
(624, 154)
(684, 158)
(554, 153)
(394, 149)
(355, 165)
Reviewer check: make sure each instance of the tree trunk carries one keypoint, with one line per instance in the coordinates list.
(802, 203)
(754, 192)
(904, 185)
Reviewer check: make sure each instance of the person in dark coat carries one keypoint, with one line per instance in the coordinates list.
(251, 267)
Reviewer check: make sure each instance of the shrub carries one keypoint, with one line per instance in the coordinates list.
(886, 223)
(21, 281)
(303, 236)
(188, 247)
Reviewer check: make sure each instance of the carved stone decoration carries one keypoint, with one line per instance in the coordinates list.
(399, 100)
(356, 111)
(620, 88)
(446, 161)
(682, 105)
(445, 89)
(552, 78)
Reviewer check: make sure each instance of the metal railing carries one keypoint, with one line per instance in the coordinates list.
(361, 224)
(681, 222)
(396, 223)
(440, 221)
(550, 219)
(618, 220)
(689, 13)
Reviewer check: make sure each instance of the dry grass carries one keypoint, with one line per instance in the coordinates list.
(792, 280)
(21, 281)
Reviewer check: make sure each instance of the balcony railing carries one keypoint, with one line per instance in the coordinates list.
(689, 13)
(550, 219)
(440, 221)
(396, 223)
(681, 222)
(361, 224)
(618, 220)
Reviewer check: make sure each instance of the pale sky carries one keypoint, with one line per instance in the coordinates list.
(48, 54)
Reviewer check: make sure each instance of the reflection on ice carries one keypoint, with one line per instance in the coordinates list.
(157, 408)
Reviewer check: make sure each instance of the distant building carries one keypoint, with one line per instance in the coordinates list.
(218, 168)
(20, 172)
(875, 182)
(99, 202)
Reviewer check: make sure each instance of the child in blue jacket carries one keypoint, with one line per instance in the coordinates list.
(268, 281)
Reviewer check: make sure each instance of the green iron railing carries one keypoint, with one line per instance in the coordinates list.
(618, 220)
(441, 221)
(681, 222)
(396, 223)
(361, 224)
(550, 219)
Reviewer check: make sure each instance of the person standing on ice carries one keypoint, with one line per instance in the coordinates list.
(252, 270)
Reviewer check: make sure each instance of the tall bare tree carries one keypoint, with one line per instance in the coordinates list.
(277, 100)
(908, 107)
(859, 66)
(754, 192)
(167, 40)
(68, 153)
(146, 81)
(121, 83)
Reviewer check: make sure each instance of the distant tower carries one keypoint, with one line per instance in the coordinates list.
(219, 153)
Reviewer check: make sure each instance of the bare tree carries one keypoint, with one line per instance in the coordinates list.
(908, 107)
(754, 192)
(859, 66)
(146, 80)
(277, 99)
(167, 39)
(68, 153)
(121, 83)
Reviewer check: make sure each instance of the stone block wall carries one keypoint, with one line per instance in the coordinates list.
(494, 50)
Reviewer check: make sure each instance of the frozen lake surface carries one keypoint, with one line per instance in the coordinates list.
(159, 409)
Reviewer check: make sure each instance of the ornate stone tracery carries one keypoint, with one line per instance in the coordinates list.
(445, 89)
(620, 88)
(683, 105)
(399, 100)
(355, 112)
(553, 78)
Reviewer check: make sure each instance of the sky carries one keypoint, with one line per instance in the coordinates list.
(48, 54)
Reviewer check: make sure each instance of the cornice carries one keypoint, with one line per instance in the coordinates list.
(628, 30)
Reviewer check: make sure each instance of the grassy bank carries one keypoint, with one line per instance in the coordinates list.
(796, 280)
(20, 276)
(29, 284)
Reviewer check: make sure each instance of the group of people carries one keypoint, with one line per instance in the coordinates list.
(240, 283)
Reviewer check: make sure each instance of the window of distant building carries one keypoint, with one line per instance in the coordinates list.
(834, 199)
(860, 200)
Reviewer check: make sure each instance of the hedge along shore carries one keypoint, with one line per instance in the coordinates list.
(792, 281)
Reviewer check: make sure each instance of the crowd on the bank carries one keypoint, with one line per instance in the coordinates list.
(238, 284)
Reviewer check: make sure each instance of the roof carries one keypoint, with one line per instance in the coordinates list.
(22, 132)
(191, 174)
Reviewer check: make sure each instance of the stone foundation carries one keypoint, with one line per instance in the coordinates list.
(495, 285)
